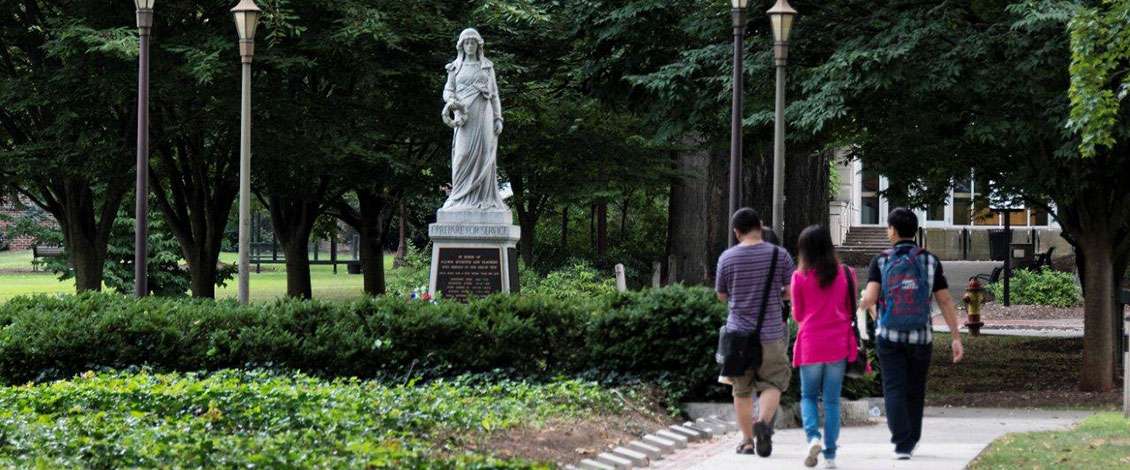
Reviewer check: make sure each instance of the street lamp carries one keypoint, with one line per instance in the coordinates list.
(781, 16)
(739, 14)
(246, 20)
(141, 225)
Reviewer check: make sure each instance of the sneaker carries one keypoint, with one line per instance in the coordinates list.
(814, 449)
(901, 456)
(829, 463)
(764, 439)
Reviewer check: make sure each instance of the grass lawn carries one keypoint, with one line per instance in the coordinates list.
(1011, 372)
(265, 286)
(1100, 442)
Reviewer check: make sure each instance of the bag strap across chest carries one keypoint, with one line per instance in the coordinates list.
(767, 291)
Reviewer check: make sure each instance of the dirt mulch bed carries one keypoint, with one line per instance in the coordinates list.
(1031, 399)
(570, 440)
(998, 311)
(1012, 372)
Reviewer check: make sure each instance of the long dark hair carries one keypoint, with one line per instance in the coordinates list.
(818, 254)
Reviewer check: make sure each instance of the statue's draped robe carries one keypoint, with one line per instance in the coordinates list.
(474, 151)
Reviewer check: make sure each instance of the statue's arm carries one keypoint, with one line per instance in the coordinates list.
(495, 102)
(449, 88)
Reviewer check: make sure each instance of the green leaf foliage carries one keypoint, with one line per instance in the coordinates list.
(1100, 60)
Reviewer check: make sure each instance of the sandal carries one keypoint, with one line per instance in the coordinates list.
(746, 447)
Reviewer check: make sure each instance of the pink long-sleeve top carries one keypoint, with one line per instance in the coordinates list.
(824, 319)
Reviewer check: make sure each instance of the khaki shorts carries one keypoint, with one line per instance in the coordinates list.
(775, 371)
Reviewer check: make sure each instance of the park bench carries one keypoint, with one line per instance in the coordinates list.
(39, 252)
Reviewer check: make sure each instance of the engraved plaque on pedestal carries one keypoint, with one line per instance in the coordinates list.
(464, 274)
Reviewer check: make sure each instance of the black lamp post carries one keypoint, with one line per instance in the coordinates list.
(781, 17)
(739, 14)
(141, 227)
(246, 21)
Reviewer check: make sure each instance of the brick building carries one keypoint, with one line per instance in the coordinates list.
(8, 215)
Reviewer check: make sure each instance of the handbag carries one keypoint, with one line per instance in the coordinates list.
(739, 351)
(861, 366)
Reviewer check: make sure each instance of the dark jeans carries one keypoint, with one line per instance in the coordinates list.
(904, 369)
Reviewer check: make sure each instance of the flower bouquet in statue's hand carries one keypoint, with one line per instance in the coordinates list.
(455, 114)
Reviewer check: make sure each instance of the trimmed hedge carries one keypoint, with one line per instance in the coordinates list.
(665, 336)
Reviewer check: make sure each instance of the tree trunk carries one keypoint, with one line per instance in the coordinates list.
(196, 190)
(203, 272)
(601, 228)
(86, 229)
(371, 219)
(372, 261)
(375, 215)
(528, 221)
(624, 217)
(1097, 369)
(806, 190)
(298, 267)
(402, 240)
(293, 220)
(565, 228)
(697, 222)
(85, 261)
(528, 207)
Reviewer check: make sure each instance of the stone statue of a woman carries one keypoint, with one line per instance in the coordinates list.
(473, 109)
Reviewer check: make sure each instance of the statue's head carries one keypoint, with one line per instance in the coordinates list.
(470, 44)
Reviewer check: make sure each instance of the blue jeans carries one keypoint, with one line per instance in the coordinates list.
(904, 369)
(825, 379)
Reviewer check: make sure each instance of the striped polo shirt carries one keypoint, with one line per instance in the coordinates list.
(742, 274)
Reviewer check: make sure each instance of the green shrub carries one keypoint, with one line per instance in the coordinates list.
(256, 419)
(1046, 287)
(665, 335)
(577, 280)
(412, 274)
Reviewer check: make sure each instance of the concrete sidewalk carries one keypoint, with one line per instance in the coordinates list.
(953, 437)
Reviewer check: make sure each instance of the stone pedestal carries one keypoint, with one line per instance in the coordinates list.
(474, 254)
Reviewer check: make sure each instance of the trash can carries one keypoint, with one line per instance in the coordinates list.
(1022, 254)
(998, 244)
(354, 267)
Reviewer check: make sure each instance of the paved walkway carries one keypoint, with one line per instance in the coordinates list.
(953, 438)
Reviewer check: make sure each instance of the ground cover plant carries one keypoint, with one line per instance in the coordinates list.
(1101, 441)
(259, 419)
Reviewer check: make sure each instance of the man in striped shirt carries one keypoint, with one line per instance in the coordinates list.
(745, 283)
(904, 354)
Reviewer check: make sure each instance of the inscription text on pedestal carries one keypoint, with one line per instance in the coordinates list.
(463, 274)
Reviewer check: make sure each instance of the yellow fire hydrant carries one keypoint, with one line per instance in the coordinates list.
(974, 297)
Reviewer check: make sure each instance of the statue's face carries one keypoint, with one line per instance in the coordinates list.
(470, 47)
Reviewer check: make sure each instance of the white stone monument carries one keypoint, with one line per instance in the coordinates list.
(474, 239)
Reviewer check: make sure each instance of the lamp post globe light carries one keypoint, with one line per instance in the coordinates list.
(739, 16)
(141, 224)
(781, 16)
(246, 21)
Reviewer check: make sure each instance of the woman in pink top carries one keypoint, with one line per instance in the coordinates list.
(824, 342)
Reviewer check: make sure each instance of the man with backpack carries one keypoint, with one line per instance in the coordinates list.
(902, 281)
